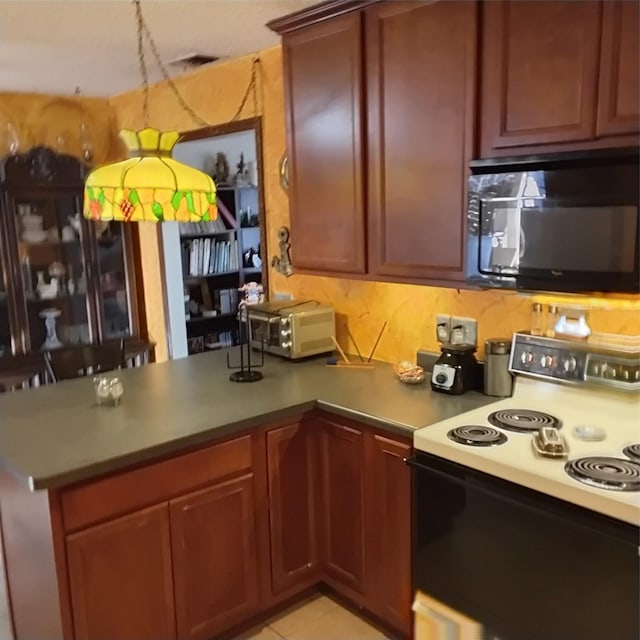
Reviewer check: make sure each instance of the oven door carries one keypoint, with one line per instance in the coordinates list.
(561, 229)
(524, 565)
(264, 329)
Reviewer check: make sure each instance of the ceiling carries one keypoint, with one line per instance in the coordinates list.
(54, 46)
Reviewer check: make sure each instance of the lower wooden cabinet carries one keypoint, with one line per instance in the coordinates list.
(342, 471)
(120, 578)
(388, 545)
(293, 489)
(213, 538)
(192, 567)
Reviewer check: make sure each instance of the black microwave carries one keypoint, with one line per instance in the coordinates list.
(562, 222)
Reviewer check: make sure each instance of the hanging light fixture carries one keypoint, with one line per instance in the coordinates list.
(150, 185)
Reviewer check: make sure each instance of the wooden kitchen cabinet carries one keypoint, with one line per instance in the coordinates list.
(120, 577)
(559, 75)
(215, 558)
(420, 62)
(388, 521)
(539, 72)
(343, 495)
(619, 92)
(293, 490)
(323, 84)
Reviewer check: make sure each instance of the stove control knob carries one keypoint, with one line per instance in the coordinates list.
(547, 361)
(526, 357)
(570, 364)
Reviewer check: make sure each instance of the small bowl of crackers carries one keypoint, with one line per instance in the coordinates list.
(409, 373)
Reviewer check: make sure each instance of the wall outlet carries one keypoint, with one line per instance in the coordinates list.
(282, 295)
(464, 330)
(443, 328)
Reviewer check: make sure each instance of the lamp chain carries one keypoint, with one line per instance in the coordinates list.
(251, 88)
(142, 63)
(143, 30)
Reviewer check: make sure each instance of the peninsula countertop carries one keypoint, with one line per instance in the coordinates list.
(57, 435)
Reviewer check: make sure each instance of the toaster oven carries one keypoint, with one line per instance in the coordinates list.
(292, 328)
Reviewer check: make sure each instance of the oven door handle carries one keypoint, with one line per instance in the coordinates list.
(413, 462)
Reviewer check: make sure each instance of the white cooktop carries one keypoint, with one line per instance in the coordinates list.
(617, 413)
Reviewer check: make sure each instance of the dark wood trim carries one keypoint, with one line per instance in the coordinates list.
(133, 272)
(264, 253)
(316, 13)
(223, 129)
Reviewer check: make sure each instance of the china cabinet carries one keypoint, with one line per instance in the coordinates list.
(65, 281)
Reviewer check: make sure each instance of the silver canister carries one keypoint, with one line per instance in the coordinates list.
(497, 378)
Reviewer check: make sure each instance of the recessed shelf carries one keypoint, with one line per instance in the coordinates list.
(210, 234)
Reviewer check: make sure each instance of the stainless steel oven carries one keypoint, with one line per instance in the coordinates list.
(565, 223)
(523, 565)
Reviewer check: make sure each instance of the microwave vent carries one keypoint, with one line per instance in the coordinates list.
(319, 318)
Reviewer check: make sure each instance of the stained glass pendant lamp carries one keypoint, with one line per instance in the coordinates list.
(150, 185)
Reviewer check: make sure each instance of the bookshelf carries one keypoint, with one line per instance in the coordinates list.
(218, 257)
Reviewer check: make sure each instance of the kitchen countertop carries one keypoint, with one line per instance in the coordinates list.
(57, 435)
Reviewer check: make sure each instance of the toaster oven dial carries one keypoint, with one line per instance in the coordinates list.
(570, 364)
(286, 345)
(285, 333)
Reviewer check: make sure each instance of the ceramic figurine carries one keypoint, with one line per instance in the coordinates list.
(47, 291)
(51, 340)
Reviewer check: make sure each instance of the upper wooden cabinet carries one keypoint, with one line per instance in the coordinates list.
(563, 74)
(420, 61)
(619, 95)
(323, 83)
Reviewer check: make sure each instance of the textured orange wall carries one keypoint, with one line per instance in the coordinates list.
(215, 93)
(40, 119)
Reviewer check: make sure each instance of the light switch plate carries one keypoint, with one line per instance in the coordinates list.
(464, 330)
(443, 328)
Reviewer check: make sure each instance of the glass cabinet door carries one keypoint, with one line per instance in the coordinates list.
(5, 328)
(53, 267)
(113, 301)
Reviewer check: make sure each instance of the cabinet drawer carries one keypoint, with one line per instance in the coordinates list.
(125, 492)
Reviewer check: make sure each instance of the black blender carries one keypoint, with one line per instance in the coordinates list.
(456, 370)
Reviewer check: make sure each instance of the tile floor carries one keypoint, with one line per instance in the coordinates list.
(317, 618)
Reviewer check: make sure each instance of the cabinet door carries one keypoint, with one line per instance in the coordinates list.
(421, 87)
(215, 558)
(619, 95)
(539, 73)
(291, 471)
(389, 531)
(120, 578)
(342, 471)
(323, 83)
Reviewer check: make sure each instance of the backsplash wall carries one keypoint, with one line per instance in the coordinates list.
(215, 92)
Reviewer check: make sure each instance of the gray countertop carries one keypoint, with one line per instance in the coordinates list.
(57, 435)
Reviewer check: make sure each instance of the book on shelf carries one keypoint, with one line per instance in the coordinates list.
(200, 228)
(208, 256)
